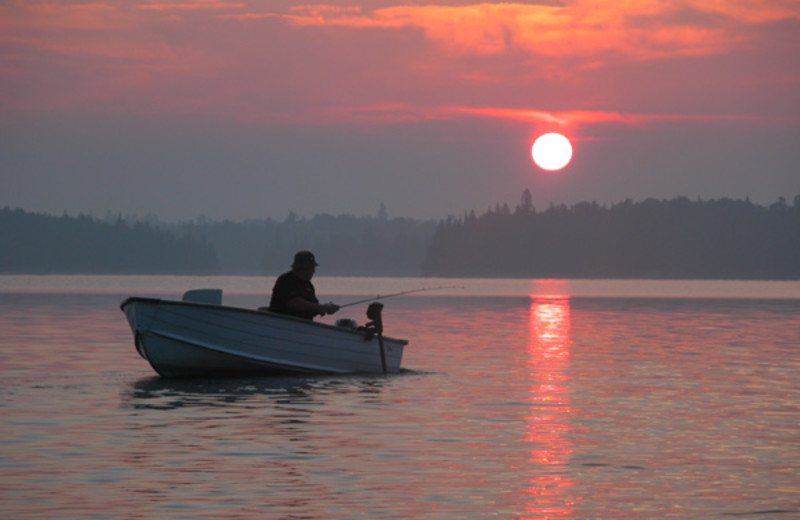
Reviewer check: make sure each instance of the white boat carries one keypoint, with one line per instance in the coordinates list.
(201, 337)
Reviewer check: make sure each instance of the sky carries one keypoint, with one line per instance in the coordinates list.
(245, 109)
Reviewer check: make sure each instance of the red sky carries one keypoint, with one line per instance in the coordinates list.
(240, 106)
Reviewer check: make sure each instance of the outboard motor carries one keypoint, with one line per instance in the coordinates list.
(375, 327)
(374, 315)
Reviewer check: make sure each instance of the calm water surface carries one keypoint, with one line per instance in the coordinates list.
(544, 403)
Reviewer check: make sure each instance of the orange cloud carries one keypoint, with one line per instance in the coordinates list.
(564, 119)
(28, 15)
(640, 29)
(191, 6)
(584, 117)
(749, 11)
(148, 50)
(401, 112)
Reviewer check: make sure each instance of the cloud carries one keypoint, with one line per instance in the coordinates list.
(571, 63)
(572, 119)
(191, 6)
(23, 15)
(590, 30)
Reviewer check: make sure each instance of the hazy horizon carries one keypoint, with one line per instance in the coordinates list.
(111, 214)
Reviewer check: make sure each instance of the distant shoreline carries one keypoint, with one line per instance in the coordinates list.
(722, 239)
(328, 286)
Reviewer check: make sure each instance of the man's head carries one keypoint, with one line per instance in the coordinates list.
(304, 264)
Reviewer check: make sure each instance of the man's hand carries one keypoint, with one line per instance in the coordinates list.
(329, 308)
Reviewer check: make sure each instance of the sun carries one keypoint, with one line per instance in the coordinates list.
(551, 151)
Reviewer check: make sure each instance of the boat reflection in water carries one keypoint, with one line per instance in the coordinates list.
(548, 422)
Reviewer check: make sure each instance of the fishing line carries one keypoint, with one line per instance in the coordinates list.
(383, 297)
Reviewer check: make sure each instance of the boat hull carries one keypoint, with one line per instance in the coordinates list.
(181, 339)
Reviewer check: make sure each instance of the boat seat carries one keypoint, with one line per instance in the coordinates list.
(209, 296)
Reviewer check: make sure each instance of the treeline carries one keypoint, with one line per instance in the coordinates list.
(348, 245)
(38, 244)
(678, 238)
(344, 244)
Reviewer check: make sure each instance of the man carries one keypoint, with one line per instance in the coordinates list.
(294, 294)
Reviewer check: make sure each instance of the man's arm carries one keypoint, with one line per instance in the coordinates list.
(299, 305)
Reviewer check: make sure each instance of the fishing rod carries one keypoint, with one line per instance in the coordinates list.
(401, 293)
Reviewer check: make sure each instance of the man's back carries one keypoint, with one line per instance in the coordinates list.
(287, 287)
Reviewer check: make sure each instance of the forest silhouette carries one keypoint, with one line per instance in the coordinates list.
(43, 244)
(677, 238)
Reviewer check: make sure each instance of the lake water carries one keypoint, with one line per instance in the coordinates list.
(520, 399)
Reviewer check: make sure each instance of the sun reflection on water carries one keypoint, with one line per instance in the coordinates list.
(548, 422)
